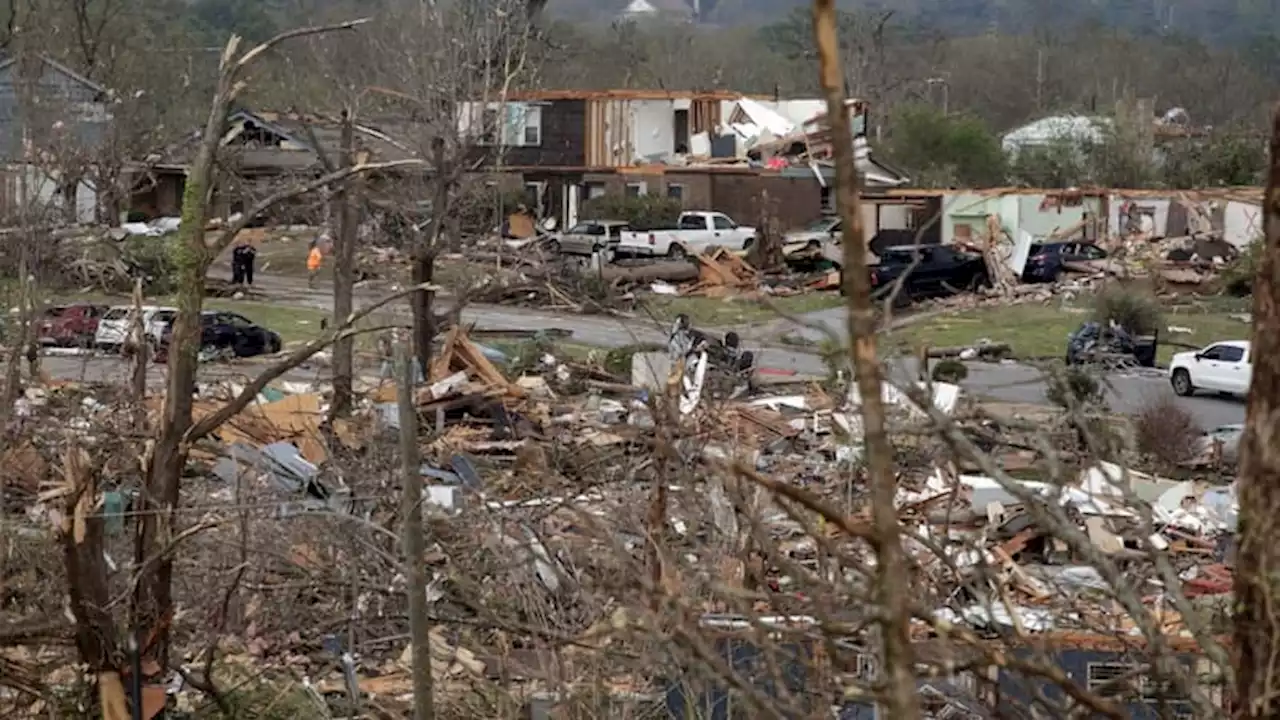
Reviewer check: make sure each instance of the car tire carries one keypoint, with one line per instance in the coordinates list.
(273, 345)
(1181, 382)
(677, 252)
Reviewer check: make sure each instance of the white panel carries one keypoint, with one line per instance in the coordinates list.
(653, 129)
(895, 217)
(1241, 223)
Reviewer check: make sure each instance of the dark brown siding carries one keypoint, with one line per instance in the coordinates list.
(792, 201)
(564, 124)
(697, 188)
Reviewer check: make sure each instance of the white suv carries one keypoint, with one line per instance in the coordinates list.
(1225, 367)
(115, 325)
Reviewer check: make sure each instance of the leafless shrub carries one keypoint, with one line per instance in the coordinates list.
(1166, 431)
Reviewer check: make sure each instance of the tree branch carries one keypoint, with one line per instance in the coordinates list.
(228, 235)
(252, 55)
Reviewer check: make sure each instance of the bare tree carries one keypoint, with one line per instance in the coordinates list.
(454, 92)
(161, 494)
(893, 595)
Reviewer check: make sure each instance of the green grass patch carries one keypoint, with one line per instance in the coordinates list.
(1039, 331)
(713, 312)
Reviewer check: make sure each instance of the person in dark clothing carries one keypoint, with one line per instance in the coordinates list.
(237, 266)
(242, 260)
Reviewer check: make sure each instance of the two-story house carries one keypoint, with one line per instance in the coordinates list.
(52, 122)
(569, 146)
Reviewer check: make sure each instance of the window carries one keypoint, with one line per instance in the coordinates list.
(532, 136)
(1093, 252)
(1230, 353)
(580, 229)
(595, 229)
(595, 190)
(637, 189)
(117, 313)
(692, 222)
(722, 223)
(1223, 353)
(675, 191)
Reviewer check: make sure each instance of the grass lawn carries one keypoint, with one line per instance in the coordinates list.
(717, 312)
(1039, 331)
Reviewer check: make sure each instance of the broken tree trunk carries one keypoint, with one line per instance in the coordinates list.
(1257, 572)
(766, 252)
(998, 271)
(665, 271)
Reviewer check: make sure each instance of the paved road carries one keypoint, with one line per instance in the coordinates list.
(1008, 382)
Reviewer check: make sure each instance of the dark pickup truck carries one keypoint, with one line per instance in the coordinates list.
(930, 270)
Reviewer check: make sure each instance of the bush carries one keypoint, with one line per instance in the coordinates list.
(1237, 280)
(950, 371)
(1137, 312)
(153, 258)
(1074, 386)
(642, 212)
(1165, 431)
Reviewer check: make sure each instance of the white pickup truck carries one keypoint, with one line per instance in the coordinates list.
(1225, 367)
(694, 233)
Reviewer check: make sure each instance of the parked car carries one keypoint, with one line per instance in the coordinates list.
(71, 325)
(221, 330)
(1224, 367)
(930, 271)
(589, 237)
(1045, 260)
(819, 240)
(694, 233)
(114, 326)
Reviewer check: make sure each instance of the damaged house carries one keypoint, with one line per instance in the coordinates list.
(706, 149)
(51, 119)
(266, 149)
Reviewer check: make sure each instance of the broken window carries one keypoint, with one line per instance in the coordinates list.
(675, 191)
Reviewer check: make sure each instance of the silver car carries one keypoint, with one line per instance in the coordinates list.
(589, 237)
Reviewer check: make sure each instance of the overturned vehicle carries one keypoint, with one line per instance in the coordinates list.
(1111, 346)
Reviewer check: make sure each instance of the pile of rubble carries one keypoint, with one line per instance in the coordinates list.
(541, 475)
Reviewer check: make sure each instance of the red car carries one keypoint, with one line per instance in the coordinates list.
(71, 325)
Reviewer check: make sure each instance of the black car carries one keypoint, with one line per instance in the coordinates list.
(221, 330)
(1045, 260)
(930, 271)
